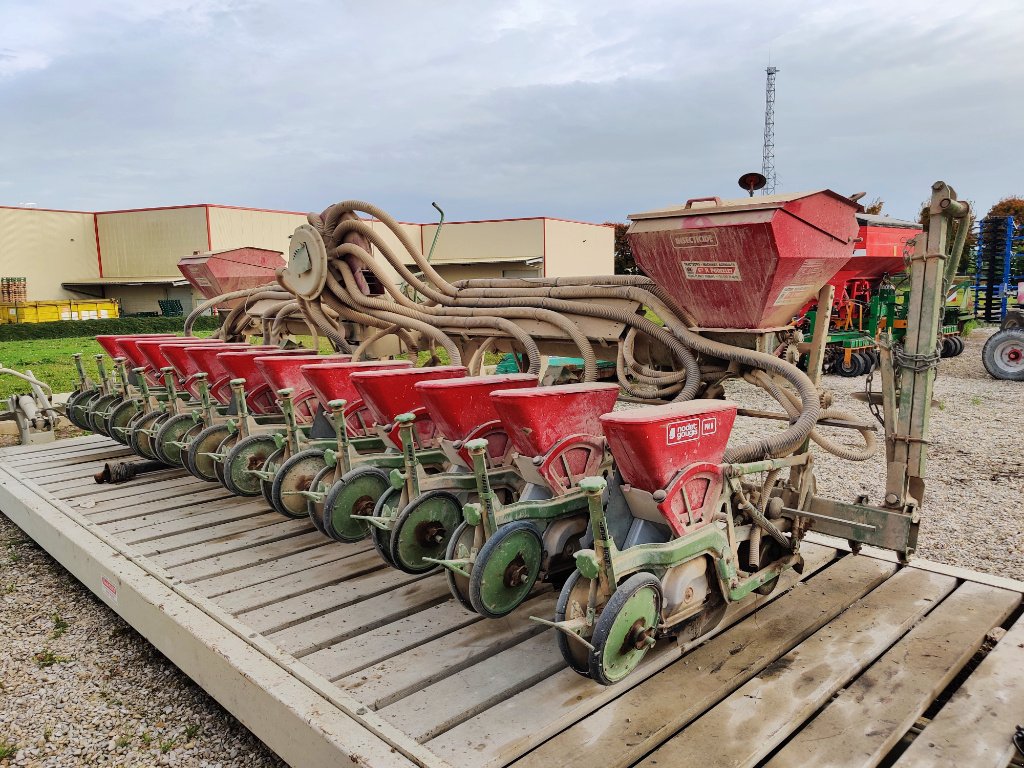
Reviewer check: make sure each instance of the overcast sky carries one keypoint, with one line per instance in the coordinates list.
(586, 109)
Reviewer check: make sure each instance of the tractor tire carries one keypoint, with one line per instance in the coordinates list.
(1003, 354)
(854, 369)
(1014, 319)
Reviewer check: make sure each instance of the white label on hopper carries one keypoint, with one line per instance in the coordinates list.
(792, 293)
(711, 270)
(695, 238)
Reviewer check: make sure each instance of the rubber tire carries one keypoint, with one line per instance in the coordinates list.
(247, 443)
(115, 416)
(315, 517)
(194, 450)
(959, 342)
(329, 529)
(476, 577)
(382, 539)
(565, 645)
(454, 586)
(946, 349)
(851, 371)
(82, 402)
(606, 621)
(162, 435)
(99, 410)
(1013, 319)
(266, 488)
(276, 497)
(146, 422)
(995, 366)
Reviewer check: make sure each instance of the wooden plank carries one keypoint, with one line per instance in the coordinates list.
(14, 452)
(392, 678)
(271, 527)
(333, 627)
(245, 558)
(46, 478)
(869, 718)
(352, 655)
(90, 505)
(761, 714)
(42, 462)
(143, 486)
(217, 533)
(112, 513)
(192, 521)
(301, 583)
(975, 726)
(626, 729)
(286, 613)
(285, 565)
(187, 510)
(443, 705)
(297, 722)
(515, 726)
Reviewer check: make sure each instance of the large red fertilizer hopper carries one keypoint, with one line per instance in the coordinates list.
(747, 263)
(218, 272)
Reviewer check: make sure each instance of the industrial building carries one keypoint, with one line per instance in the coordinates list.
(132, 255)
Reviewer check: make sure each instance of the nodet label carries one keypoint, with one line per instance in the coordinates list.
(711, 270)
(685, 430)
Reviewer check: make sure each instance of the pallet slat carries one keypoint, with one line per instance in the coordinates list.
(976, 725)
(765, 710)
(866, 720)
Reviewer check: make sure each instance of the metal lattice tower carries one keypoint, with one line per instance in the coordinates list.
(768, 154)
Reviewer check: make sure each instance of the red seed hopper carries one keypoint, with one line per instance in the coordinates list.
(676, 448)
(283, 372)
(462, 409)
(333, 381)
(259, 396)
(561, 424)
(389, 393)
(750, 263)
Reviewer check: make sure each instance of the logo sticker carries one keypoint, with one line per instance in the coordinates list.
(695, 238)
(687, 430)
(711, 270)
(792, 293)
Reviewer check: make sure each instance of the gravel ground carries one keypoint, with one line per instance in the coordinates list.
(80, 687)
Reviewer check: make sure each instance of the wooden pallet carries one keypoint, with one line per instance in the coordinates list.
(333, 658)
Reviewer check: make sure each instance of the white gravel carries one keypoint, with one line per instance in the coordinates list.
(109, 698)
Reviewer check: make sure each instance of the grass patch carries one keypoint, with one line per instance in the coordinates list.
(47, 658)
(167, 746)
(7, 750)
(123, 741)
(60, 626)
(969, 328)
(63, 329)
(191, 731)
(146, 738)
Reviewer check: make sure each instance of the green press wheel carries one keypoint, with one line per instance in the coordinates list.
(77, 408)
(423, 529)
(382, 539)
(98, 412)
(626, 628)
(267, 486)
(316, 511)
(224, 449)
(355, 493)
(141, 442)
(247, 454)
(120, 417)
(459, 546)
(294, 475)
(572, 603)
(505, 570)
(172, 430)
(207, 441)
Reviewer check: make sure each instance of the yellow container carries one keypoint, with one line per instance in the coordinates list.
(51, 311)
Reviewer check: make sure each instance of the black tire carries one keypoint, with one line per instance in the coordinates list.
(361, 529)
(606, 621)
(267, 488)
(478, 586)
(98, 412)
(205, 442)
(246, 454)
(382, 539)
(401, 556)
(959, 342)
(78, 411)
(574, 654)
(174, 427)
(1014, 319)
(457, 584)
(316, 515)
(947, 347)
(848, 371)
(120, 417)
(308, 464)
(141, 443)
(1003, 355)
